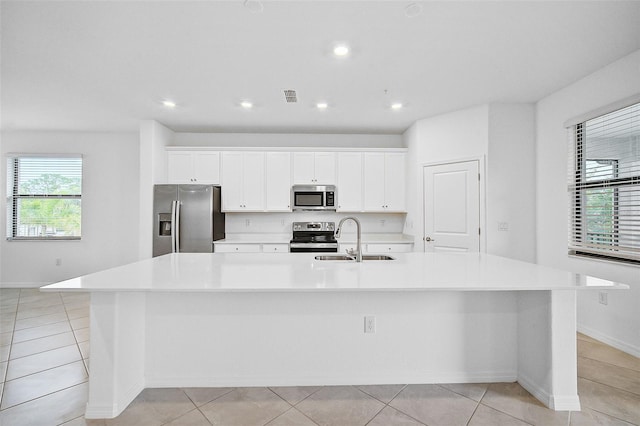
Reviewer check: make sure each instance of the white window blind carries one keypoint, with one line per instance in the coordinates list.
(44, 197)
(604, 186)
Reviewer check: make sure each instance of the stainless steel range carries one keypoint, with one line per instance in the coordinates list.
(313, 237)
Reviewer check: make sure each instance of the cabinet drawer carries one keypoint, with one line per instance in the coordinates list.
(275, 248)
(389, 248)
(237, 248)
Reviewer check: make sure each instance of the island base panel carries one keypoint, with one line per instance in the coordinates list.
(318, 338)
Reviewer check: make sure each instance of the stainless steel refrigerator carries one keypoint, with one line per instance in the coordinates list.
(186, 218)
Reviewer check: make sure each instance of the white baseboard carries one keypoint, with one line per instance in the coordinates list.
(164, 381)
(554, 402)
(110, 411)
(611, 341)
(6, 284)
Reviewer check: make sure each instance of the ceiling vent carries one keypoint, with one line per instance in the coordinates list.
(290, 96)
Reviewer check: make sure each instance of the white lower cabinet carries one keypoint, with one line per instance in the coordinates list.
(237, 248)
(275, 248)
(376, 248)
(389, 248)
(251, 248)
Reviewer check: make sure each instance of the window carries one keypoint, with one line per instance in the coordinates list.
(44, 197)
(604, 186)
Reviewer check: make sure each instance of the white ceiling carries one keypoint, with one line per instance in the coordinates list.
(104, 66)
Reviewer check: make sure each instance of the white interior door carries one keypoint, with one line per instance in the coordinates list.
(452, 207)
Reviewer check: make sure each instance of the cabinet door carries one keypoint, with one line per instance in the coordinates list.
(206, 167)
(179, 169)
(232, 181)
(394, 188)
(278, 181)
(253, 184)
(303, 168)
(374, 181)
(325, 168)
(349, 185)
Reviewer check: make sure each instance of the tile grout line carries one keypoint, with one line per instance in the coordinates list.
(612, 416)
(73, 331)
(611, 386)
(498, 410)
(42, 396)
(608, 363)
(4, 376)
(46, 369)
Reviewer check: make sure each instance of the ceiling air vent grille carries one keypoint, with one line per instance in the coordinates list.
(290, 96)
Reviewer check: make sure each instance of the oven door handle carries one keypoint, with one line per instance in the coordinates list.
(313, 245)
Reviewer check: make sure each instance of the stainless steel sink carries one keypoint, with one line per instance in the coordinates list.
(377, 257)
(364, 257)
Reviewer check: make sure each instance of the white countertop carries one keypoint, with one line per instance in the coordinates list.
(300, 272)
(369, 238)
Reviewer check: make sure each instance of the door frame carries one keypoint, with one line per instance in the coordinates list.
(482, 194)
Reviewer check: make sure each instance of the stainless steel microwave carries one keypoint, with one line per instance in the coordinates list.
(313, 197)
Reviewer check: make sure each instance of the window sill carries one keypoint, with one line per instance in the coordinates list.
(604, 258)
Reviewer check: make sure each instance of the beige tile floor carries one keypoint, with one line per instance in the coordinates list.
(44, 359)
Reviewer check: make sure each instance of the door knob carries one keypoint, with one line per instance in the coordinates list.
(428, 239)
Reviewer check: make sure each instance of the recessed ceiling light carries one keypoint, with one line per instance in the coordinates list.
(246, 104)
(169, 104)
(341, 50)
(254, 6)
(412, 10)
(322, 105)
(396, 105)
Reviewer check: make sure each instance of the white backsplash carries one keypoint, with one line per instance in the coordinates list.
(280, 223)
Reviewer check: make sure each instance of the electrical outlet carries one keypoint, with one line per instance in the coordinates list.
(603, 298)
(503, 226)
(247, 223)
(369, 324)
(58, 262)
(382, 222)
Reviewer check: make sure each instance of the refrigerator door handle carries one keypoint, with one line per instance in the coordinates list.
(178, 203)
(173, 226)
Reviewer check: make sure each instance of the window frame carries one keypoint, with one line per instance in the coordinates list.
(13, 196)
(578, 187)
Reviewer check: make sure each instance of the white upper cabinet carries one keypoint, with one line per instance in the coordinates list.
(349, 186)
(201, 167)
(278, 181)
(394, 182)
(314, 168)
(243, 181)
(384, 182)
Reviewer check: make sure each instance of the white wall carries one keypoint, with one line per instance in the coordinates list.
(109, 209)
(617, 323)
(154, 137)
(503, 136)
(288, 139)
(452, 136)
(511, 195)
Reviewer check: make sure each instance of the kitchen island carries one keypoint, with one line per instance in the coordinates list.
(212, 319)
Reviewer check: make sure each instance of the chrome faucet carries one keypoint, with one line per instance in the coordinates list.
(354, 254)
